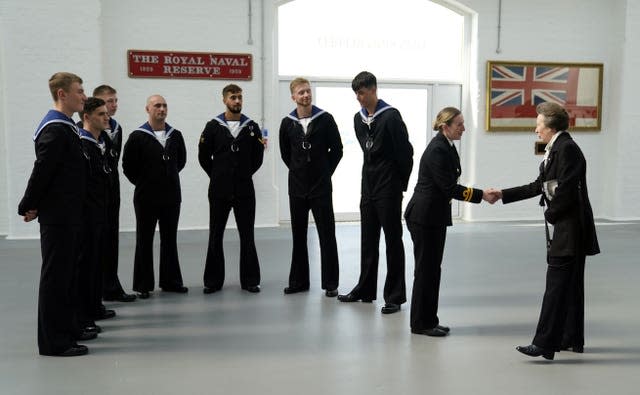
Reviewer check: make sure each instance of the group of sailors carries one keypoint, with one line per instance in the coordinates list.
(74, 191)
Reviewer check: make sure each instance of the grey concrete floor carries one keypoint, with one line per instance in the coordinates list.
(233, 342)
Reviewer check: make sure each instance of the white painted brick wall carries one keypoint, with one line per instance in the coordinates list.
(626, 194)
(94, 39)
(39, 38)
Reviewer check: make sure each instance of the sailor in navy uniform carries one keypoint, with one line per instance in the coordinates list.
(230, 152)
(311, 148)
(111, 287)
(387, 164)
(96, 145)
(153, 156)
(55, 194)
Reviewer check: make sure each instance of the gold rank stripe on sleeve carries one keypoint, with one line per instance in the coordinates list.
(467, 194)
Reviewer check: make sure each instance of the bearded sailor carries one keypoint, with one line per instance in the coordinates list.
(311, 148)
(230, 152)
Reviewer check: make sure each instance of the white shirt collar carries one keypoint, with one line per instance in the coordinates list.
(553, 139)
(448, 139)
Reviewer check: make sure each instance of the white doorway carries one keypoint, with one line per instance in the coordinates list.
(399, 51)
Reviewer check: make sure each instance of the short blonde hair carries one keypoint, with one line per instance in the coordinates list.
(62, 80)
(298, 81)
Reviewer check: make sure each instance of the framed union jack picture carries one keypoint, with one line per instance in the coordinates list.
(514, 89)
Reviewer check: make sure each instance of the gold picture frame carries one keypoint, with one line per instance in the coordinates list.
(515, 88)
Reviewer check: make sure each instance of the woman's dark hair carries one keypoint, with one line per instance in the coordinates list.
(555, 116)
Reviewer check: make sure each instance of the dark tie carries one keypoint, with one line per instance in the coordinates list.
(455, 151)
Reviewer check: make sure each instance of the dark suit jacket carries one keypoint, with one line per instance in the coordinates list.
(310, 170)
(569, 210)
(230, 162)
(57, 185)
(152, 168)
(437, 184)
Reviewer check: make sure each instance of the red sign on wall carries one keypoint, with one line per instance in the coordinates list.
(200, 65)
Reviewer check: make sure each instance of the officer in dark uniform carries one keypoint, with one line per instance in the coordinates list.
(311, 148)
(428, 215)
(386, 167)
(230, 152)
(152, 158)
(111, 288)
(55, 195)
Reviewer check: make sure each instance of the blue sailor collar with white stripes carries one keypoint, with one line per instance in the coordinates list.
(55, 116)
(315, 113)
(244, 120)
(86, 135)
(381, 107)
(113, 128)
(146, 128)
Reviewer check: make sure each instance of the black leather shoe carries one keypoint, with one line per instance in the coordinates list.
(144, 295)
(331, 293)
(390, 308)
(351, 297)
(123, 297)
(105, 314)
(93, 328)
(86, 335)
(576, 349)
(74, 351)
(210, 290)
(179, 290)
(254, 289)
(534, 351)
(294, 290)
(444, 328)
(433, 332)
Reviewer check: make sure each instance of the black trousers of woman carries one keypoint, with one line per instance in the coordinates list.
(573, 335)
(563, 304)
(428, 248)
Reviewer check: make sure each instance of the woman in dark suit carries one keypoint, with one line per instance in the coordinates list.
(429, 213)
(563, 186)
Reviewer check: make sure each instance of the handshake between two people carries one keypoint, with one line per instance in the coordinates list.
(491, 195)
